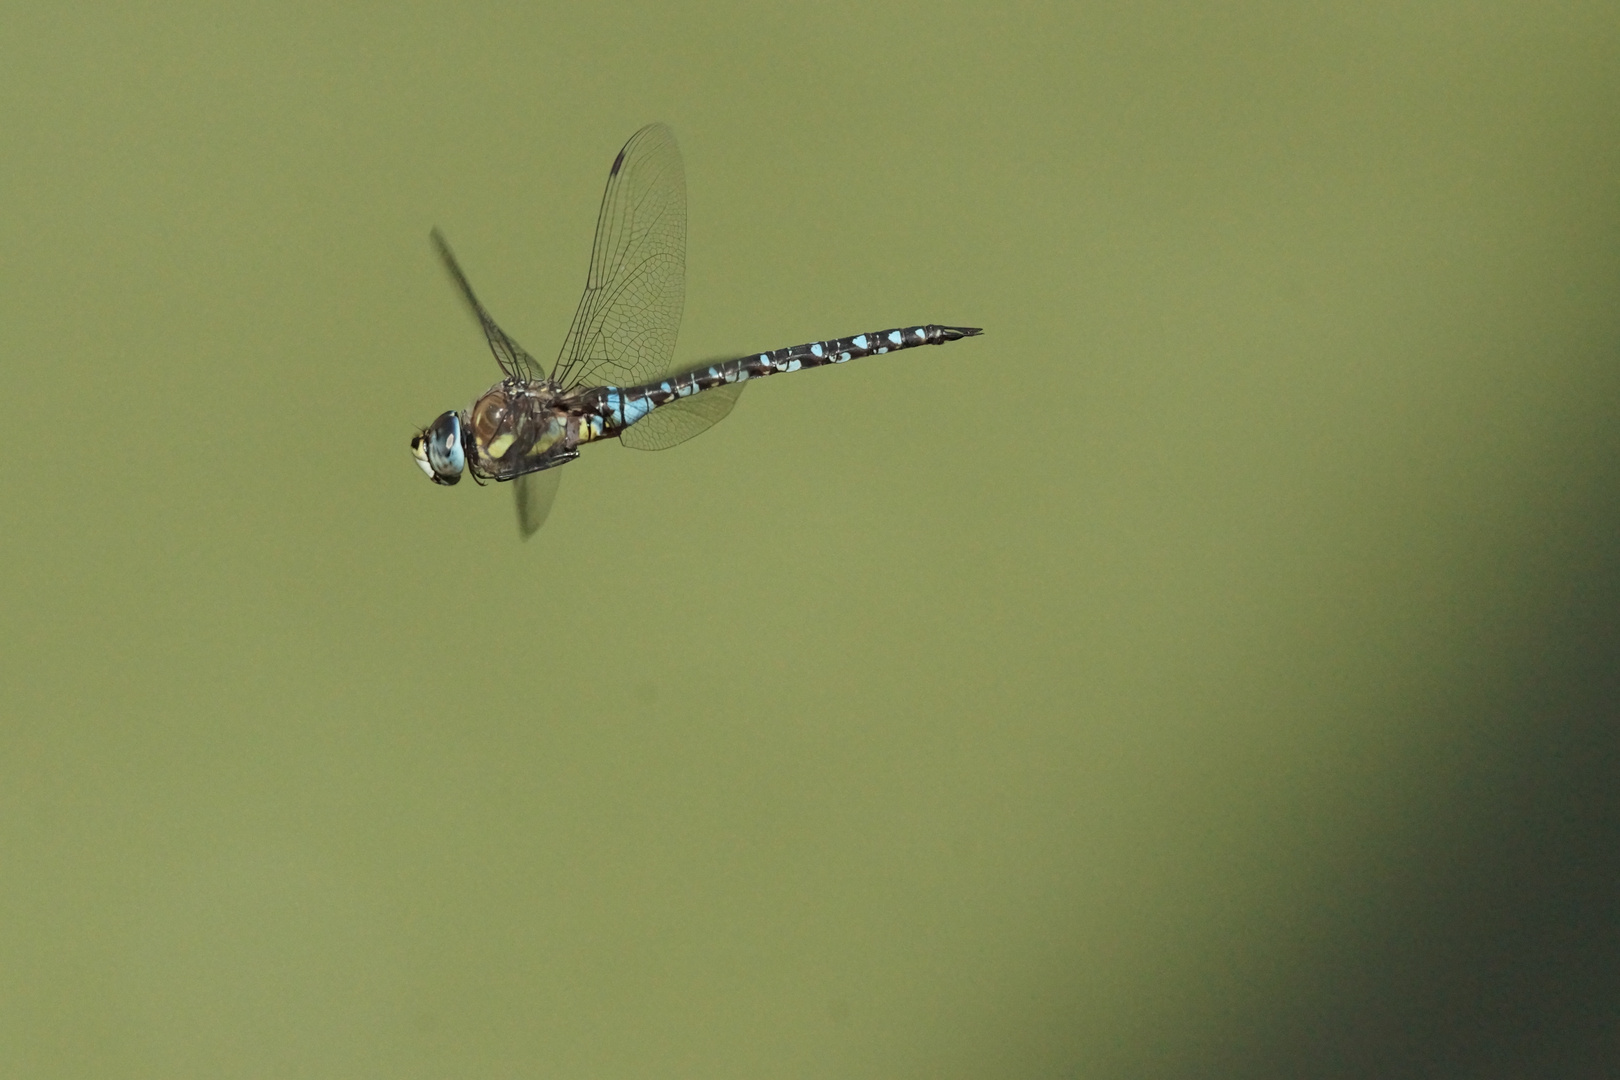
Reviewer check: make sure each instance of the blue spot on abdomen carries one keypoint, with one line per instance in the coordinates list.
(635, 409)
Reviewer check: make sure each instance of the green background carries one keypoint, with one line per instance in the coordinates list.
(1210, 671)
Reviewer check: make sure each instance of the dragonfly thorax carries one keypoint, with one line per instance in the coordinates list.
(516, 428)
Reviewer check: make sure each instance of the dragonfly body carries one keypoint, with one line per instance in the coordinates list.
(534, 420)
(519, 427)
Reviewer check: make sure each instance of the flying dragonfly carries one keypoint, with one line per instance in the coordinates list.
(615, 376)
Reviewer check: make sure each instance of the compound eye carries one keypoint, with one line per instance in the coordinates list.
(419, 452)
(445, 458)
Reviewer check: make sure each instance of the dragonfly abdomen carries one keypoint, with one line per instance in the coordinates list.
(620, 407)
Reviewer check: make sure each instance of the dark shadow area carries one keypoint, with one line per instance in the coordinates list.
(1485, 942)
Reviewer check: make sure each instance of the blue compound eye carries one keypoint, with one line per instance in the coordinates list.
(438, 450)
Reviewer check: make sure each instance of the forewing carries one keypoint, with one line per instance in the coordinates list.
(534, 493)
(672, 424)
(509, 354)
(624, 331)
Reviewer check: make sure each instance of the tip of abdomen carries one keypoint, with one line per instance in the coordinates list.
(952, 333)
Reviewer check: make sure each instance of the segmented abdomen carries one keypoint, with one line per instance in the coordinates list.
(619, 407)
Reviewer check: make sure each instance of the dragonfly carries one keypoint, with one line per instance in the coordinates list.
(615, 376)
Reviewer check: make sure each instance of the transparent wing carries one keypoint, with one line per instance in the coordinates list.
(624, 331)
(672, 424)
(509, 354)
(534, 493)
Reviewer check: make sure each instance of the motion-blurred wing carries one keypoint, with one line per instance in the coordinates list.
(535, 493)
(509, 354)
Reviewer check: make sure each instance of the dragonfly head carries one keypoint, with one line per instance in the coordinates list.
(438, 449)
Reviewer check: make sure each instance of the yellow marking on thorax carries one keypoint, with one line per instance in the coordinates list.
(500, 445)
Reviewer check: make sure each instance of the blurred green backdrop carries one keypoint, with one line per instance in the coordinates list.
(1210, 671)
